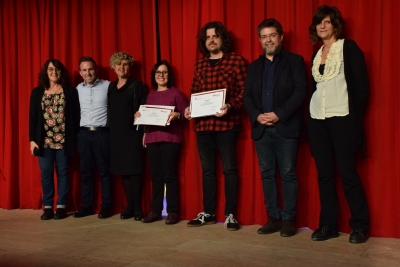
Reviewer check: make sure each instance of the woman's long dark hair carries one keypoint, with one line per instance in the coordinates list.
(43, 77)
(337, 22)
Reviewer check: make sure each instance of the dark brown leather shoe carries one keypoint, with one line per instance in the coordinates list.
(272, 226)
(172, 218)
(152, 217)
(288, 228)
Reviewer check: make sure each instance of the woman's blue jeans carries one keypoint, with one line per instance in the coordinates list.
(54, 158)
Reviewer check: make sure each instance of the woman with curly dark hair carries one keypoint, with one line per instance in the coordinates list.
(54, 116)
(339, 95)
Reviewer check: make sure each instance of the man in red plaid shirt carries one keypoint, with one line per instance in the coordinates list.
(218, 69)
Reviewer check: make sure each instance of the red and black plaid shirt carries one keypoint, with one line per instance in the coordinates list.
(230, 73)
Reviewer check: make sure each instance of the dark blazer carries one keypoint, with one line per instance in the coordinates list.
(290, 87)
(356, 75)
(126, 149)
(72, 118)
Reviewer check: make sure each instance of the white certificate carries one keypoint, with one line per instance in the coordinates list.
(207, 103)
(153, 115)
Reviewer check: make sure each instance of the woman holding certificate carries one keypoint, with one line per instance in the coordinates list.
(125, 95)
(163, 144)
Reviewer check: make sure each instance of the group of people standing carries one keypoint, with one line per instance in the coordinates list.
(272, 90)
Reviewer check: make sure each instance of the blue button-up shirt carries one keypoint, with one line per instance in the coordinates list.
(267, 93)
(93, 101)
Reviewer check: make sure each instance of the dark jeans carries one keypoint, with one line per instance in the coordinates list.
(272, 148)
(94, 147)
(329, 137)
(46, 163)
(225, 142)
(163, 161)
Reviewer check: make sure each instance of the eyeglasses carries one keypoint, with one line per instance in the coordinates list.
(53, 69)
(159, 73)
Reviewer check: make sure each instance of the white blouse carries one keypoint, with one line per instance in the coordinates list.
(331, 98)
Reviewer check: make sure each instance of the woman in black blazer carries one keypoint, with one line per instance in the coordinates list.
(54, 116)
(339, 94)
(125, 95)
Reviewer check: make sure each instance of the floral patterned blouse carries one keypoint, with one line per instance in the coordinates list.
(53, 106)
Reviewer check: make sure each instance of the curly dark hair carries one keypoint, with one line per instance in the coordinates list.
(43, 78)
(220, 30)
(170, 82)
(336, 19)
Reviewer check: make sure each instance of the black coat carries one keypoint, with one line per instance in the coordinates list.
(289, 92)
(126, 150)
(72, 118)
(356, 75)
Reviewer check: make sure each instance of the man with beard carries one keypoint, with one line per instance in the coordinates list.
(275, 89)
(218, 69)
(93, 139)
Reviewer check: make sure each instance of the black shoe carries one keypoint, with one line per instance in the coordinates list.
(272, 226)
(138, 217)
(83, 212)
(126, 214)
(288, 228)
(358, 236)
(323, 233)
(104, 213)
(48, 214)
(202, 219)
(61, 213)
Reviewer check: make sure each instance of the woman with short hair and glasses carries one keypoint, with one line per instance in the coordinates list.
(54, 116)
(163, 144)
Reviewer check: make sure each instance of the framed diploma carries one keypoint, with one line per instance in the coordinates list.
(153, 115)
(207, 103)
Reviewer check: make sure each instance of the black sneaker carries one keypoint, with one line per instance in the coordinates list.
(231, 224)
(358, 236)
(202, 219)
(61, 213)
(48, 214)
(323, 233)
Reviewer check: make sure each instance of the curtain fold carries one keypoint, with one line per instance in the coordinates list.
(34, 30)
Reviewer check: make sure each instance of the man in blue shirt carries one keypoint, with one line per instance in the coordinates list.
(93, 139)
(274, 91)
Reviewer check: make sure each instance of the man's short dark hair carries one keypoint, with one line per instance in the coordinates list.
(170, 82)
(269, 23)
(87, 59)
(337, 22)
(220, 30)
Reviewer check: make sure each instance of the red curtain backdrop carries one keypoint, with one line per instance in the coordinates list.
(33, 31)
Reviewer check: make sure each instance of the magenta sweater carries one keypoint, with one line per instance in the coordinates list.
(173, 132)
